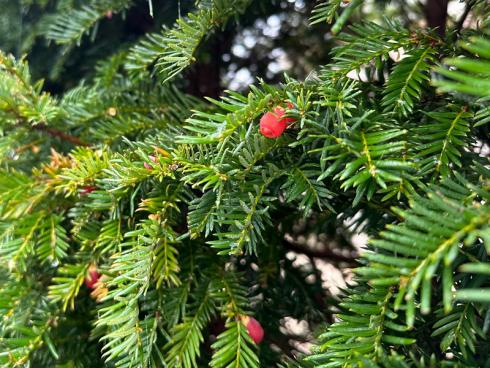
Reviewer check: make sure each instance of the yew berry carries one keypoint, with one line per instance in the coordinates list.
(87, 189)
(92, 277)
(153, 159)
(273, 123)
(254, 328)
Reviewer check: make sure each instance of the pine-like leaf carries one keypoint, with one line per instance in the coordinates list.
(172, 50)
(406, 82)
(184, 347)
(234, 348)
(472, 74)
(302, 183)
(365, 43)
(443, 137)
(325, 11)
(70, 26)
(366, 159)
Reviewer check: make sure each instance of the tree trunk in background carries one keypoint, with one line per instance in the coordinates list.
(205, 76)
(436, 13)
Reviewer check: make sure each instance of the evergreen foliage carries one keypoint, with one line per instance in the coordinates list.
(188, 212)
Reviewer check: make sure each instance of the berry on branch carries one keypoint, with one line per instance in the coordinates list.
(154, 159)
(87, 189)
(254, 328)
(273, 123)
(92, 277)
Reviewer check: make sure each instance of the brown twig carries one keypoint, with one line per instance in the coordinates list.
(459, 25)
(58, 133)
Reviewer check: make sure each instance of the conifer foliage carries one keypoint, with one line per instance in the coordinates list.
(141, 226)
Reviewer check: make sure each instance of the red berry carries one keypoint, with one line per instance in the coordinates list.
(153, 158)
(273, 124)
(87, 189)
(147, 166)
(92, 277)
(254, 328)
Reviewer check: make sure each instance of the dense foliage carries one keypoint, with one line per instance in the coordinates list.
(193, 218)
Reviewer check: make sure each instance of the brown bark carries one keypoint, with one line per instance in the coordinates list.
(436, 14)
(205, 76)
